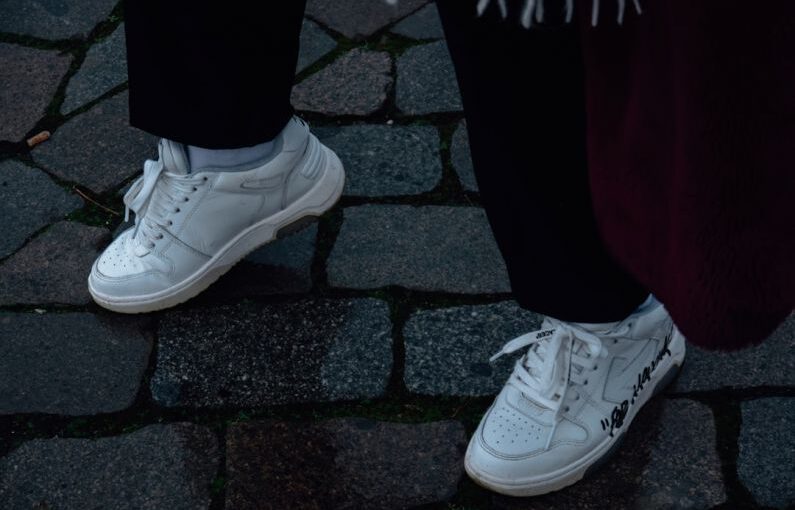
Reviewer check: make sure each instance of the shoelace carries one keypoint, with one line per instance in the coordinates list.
(556, 356)
(153, 198)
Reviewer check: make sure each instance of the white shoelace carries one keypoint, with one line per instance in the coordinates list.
(556, 356)
(154, 197)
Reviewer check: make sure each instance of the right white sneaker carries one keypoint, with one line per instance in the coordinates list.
(570, 399)
(190, 228)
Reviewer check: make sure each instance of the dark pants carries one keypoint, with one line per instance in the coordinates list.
(195, 78)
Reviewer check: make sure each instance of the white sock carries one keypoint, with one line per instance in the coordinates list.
(227, 159)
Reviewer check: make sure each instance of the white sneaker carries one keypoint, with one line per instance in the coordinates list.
(190, 228)
(569, 401)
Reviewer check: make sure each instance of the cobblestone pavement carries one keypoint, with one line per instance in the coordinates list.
(342, 367)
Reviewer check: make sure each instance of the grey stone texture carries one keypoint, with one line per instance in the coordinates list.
(767, 364)
(668, 460)
(29, 201)
(424, 24)
(315, 43)
(426, 81)
(70, 363)
(104, 68)
(356, 19)
(54, 19)
(53, 267)
(98, 148)
(29, 79)
(254, 354)
(342, 463)
(354, 84)
(386, 160)
(429, 248)
(158, 467)
(766, 463)
(448, 349)
(462, 159)
(281, 267)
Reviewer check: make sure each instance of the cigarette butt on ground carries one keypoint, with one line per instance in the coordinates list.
(37, 139)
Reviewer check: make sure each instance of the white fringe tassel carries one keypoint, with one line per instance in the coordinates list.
(535, 9)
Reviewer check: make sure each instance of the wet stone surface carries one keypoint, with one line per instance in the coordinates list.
(448, 349)
(426, 81)
(254, 354)
(97, 149)
(54, 19)
(768, 364)
(462, 159)
(356, 19)
(29, 78)
(34, 276)
(667, 460)
(767, 450)
(157, 467)
(424, 24)
(315, 43)
(29, 200)
(70, 363)
(430, 248)
(354, 84)
(104, 68)
(386, 160)
(343, 463)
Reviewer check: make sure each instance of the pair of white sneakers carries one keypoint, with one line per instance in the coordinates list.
(569, 400)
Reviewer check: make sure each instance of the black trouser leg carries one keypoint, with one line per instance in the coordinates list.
(524, 104)
(212, 74)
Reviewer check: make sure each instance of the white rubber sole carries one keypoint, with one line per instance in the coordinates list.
(319, 199)
(664, 373)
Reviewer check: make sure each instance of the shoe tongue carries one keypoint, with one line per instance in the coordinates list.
(175, 158)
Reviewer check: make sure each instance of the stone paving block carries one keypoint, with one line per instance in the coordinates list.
(98, 148)
(281, 267)
(766, 463)
(354, 84)
(342, 463)
(34, 275)
(29, 79)
(668, 460)
(448, 349)
(426, 80)
(104, 68)
(767, 364)
(29, 200)
(462, 158)
(70, 363)
(255, 354)
(429, 248)
(314, 44)
(386, 160)
(54, 19)
(356, 19)
(160, 467)
(424, 24)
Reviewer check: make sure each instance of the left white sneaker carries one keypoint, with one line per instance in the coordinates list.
(570, 399)
(192, 227)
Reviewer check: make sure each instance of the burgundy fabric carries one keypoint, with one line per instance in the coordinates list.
(691, 133)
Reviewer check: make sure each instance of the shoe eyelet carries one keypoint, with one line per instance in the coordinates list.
(195, 188)
(170, 223)
(566, 409)
(160, 236)
(615, 340)
(595, 368)
(585, 382)
(204, 178)
(177, 210)
(186, 199)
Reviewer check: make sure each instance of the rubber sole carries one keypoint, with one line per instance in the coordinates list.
(319, 199)
(569, 475)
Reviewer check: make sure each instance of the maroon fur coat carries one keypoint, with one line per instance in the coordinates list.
(691, 134)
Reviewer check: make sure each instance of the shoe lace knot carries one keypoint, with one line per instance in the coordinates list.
(154, 198)
(557, 358)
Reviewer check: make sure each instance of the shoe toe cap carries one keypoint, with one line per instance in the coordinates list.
(118, 272)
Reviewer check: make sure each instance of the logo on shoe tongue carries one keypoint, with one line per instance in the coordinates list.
(616, 419)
